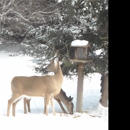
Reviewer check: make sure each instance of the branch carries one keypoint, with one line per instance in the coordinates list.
(7, 6)
(44, 13)
(50, 6)
(1, 1)
(21, 16)
(5, 13)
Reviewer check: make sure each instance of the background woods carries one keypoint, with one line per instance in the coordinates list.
(45, 26)
(31, 32)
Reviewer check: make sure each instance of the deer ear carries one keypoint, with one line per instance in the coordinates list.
(70, 98)
(56, 60)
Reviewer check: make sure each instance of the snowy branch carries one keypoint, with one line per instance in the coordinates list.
(44, 13)
(21, 16)
(7, 6)
(1, 15)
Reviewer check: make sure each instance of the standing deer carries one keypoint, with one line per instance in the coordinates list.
(47, 86)
(67, 101)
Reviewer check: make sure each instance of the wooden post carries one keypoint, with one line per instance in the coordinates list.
(104, 88)
(80, 88)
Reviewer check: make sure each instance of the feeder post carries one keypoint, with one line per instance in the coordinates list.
(79, 103)
(81, 56)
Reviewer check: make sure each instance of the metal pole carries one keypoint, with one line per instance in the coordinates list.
(80, 88)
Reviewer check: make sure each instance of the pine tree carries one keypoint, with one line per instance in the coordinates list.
(49, 27)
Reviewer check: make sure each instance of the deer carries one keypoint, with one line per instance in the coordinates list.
(46, 86)
(61, 97)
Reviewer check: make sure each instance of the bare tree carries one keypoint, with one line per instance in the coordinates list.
(16, 16)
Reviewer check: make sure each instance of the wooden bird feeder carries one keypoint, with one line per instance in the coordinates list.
(81, 53)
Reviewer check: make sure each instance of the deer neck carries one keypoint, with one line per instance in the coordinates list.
(63, 98)
(59, 74)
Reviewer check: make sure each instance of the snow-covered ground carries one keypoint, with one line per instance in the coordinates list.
(93, 117)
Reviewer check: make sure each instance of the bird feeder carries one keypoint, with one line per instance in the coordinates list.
(81, 52)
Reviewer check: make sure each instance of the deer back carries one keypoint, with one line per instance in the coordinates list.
(39, 85)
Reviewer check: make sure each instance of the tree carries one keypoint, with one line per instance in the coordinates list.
(17, 18)
(49, 27)
(83, 20)
(104, 89)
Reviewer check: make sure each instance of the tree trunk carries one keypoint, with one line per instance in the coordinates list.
(104, 90)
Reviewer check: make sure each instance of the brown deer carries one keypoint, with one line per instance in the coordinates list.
(47, 86)
(61, 97)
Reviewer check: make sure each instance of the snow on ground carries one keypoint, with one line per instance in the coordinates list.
(21, 65)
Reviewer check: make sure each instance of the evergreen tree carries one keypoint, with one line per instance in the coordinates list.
(47, 27)
(83, 20)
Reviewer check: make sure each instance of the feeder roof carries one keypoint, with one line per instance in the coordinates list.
(79, 43)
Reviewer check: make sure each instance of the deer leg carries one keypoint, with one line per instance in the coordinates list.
(10, 101)
(47, 101)
(44, 106)
(25, 102)
(14, 106)
(52, 105)
(28, 104)
(61, 106)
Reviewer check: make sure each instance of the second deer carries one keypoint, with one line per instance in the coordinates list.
(61, 97)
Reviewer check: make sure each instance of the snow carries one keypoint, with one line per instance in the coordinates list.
(98, 52)
(59, 1)
(79, 43)
(94, 115)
